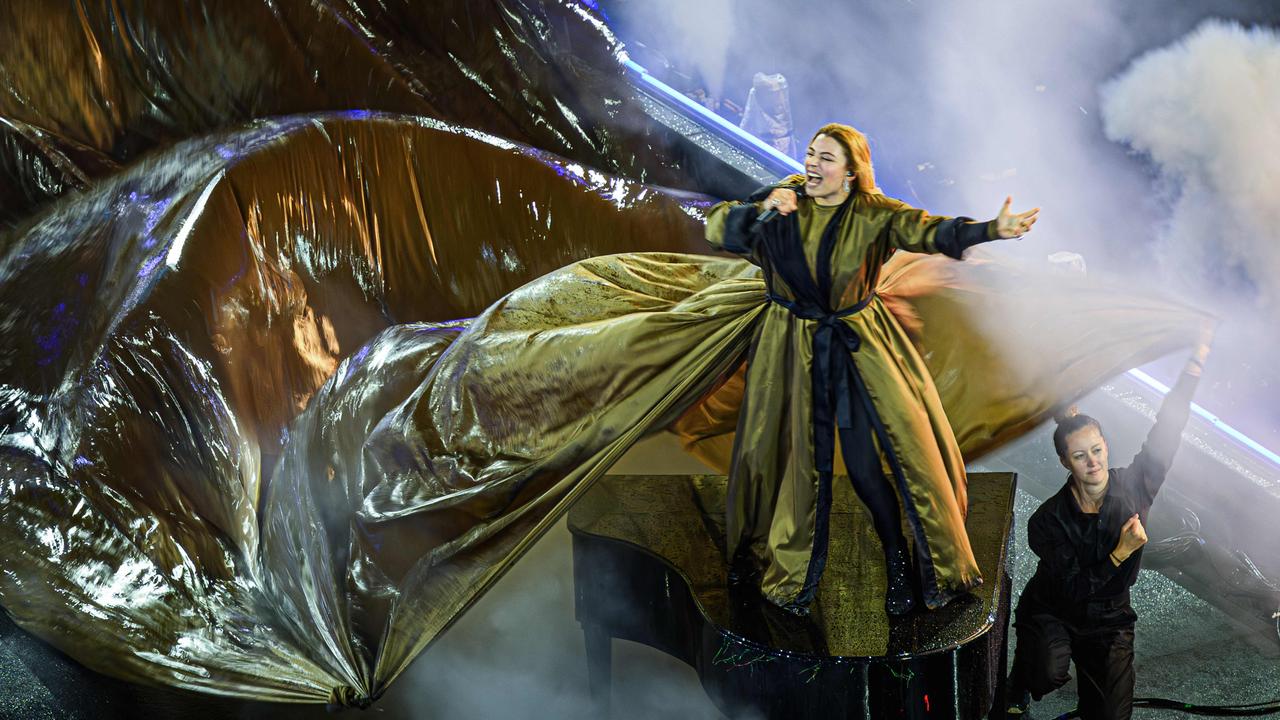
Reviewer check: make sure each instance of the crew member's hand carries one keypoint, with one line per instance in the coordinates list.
(1195, 363)
(1010, 224)
(783, 200)
(1132, 537)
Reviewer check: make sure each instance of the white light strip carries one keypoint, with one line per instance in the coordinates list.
(1214, 420)
(755, 142)
(712, 117)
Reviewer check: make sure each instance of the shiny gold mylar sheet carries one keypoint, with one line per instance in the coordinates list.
(214, 478)
(164, 330)
(88, 86)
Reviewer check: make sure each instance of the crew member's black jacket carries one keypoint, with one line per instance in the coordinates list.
(1075, 579)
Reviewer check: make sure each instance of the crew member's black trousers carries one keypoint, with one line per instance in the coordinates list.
(1103, 658)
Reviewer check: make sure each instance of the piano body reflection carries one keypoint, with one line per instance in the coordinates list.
(649, 567)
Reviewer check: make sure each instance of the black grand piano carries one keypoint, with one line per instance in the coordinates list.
(649, 567)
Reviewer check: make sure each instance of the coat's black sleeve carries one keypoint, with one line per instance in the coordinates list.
(1151, 465)
(730, 224)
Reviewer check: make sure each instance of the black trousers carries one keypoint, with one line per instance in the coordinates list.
(873, 489)
(1103, 658)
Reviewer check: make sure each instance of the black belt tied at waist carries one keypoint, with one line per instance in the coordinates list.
(827, 320)
(834, 375)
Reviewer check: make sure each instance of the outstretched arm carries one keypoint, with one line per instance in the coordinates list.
(1153, 461)
(917, 231)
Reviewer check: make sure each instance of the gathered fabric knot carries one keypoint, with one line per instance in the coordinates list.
(828, 320)
(345, 696)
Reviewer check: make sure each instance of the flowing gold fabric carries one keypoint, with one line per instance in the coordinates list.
(164, 330)
(1005, 344)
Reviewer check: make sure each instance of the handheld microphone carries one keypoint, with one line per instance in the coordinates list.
(772, 212)
(766, 216)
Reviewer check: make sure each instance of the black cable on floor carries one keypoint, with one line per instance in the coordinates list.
(1247, 710)
(1251, 710)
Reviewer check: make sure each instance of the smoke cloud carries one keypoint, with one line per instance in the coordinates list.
(1206, 111)
(519, 653)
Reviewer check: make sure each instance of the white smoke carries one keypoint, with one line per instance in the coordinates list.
(519, 654)
(1206, 110)
(1003, 103)
(696, 35)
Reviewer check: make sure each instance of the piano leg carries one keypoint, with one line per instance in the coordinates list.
(599, 667)
(1002, 674)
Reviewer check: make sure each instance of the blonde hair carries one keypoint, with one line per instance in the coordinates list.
(857, 150)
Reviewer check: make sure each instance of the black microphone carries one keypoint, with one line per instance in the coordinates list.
(772, 212)
(766, 216)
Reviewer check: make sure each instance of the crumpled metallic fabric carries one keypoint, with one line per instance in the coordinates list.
(510, 423)
(163, 331)
(213, 478)
(88, 86)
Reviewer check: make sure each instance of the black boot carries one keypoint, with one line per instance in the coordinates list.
(899, 596)
(743, 573)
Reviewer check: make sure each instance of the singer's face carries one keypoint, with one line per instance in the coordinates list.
(825, 165)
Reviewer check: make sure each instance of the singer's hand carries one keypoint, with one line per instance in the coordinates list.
(782, 200)
(1010, 224)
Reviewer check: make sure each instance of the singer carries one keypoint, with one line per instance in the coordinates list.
(832, 373)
